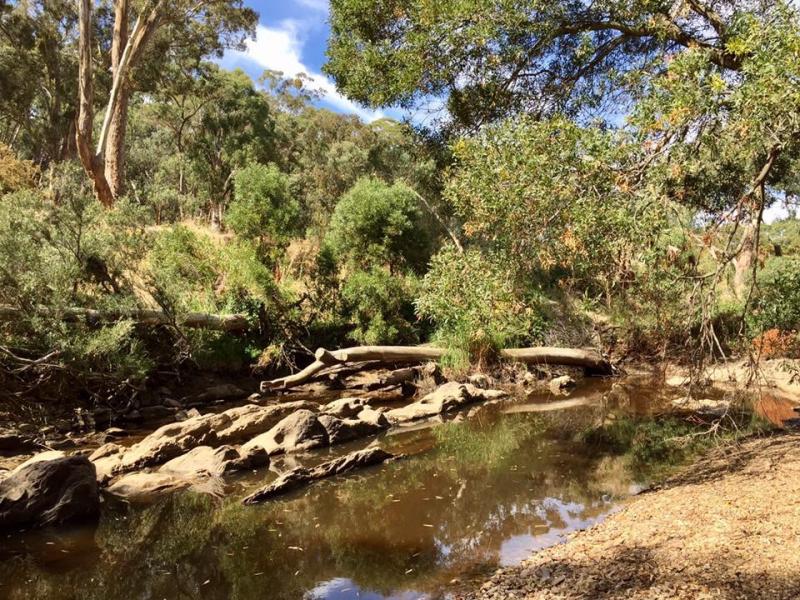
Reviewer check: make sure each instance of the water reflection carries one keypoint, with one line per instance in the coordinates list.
(481, 492)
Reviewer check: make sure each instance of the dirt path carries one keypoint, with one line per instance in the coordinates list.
(729, 527)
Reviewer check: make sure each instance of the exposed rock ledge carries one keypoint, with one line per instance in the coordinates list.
(181, 455)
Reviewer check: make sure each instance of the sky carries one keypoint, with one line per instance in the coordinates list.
(291, 37)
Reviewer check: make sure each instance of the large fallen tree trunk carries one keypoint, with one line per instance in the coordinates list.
(591, 360)
(325, 358)
(195, 320)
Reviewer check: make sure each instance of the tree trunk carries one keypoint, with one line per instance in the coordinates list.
(591, 360)
(233, 323)
(748, 256)
(115, 145)
(83, 135)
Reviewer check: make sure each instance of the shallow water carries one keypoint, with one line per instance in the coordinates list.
(487, 488)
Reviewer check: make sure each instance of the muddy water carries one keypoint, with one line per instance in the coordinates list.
(486, 488)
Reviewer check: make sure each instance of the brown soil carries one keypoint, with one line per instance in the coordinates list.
(728, 527)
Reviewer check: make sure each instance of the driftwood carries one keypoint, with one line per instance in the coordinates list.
(301, 476)
(325, 358)
(195, 320)
(591, 360)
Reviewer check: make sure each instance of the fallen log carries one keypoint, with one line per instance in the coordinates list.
(591, 360)
(233, 323)
(326, 358)
(301, 476)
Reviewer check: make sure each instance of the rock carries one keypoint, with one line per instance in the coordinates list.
(299, 431)
(49, 489)
(156, 412)
(301, 476)
(445, 398)
(205, 461)
(374, 416)
(479, 380)
(705, 406)
(223, 391)
(214, 429)
(105, 451)
(252, 419)
(11, 441)
(343, 430)
(172, 403)
(344, 407)
(562, 385)
(676, 381)
(133, 415)
(144, 486)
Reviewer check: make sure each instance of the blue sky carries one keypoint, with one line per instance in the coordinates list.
(291, 38)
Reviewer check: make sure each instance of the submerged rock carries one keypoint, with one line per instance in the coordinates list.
(49, 489)
(144, 486)
(448, 397)
(299, 431)
(300, 476)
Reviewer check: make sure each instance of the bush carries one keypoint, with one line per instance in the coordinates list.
(375, 224)
(381, 307)
(263, 207)
(472, 301)
(777, 305)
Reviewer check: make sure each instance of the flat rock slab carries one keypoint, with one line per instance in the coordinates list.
(49, 489)
(176, 439)
(301, 476)
(447, 397)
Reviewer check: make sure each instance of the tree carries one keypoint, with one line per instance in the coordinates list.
(206, 26)
(37, 65)
(376, 224)
(233, 129)
(263, 207)
(491, 59)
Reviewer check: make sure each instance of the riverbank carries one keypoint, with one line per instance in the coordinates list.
(726, 527)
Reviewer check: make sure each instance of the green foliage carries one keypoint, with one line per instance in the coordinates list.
(191, 271)
(777, 304)
(475, 305)
(376, 224)
(263, 208)
(381, 307)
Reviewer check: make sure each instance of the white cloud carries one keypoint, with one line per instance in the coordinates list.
(281, 49)
(317, 5)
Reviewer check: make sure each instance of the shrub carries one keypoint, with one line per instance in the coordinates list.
(15, 173)
(778, 302)
(263, 207)
(381, 307)
(472, 301)
(375, 224)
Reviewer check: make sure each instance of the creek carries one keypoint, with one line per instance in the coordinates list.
(483, 489)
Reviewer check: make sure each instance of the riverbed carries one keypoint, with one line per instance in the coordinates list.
(483, 488)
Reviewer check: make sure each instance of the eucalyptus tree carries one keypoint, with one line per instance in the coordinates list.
(162, 32)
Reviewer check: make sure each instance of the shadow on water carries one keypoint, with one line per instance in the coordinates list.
(485, 489)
